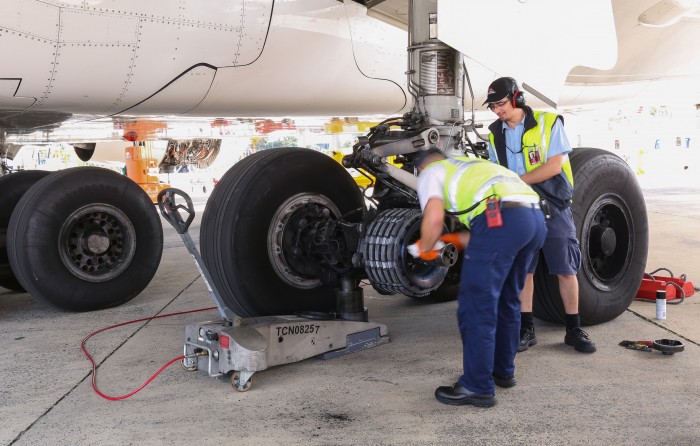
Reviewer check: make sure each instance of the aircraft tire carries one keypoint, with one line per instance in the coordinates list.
(611, 225)
(13, 187)
(107, 231)
(237, 221)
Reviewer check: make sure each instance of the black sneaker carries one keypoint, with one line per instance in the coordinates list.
(579, 339)
(527, 338)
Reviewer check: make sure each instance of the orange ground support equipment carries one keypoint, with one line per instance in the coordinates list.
(675, 287)
(138, 167)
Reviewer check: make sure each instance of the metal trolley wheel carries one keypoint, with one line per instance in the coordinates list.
(236, 383)
(189, 368)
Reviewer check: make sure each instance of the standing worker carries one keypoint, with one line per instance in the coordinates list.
(533, 144)
(506, 228)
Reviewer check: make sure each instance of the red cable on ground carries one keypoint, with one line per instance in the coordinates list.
(94, 371)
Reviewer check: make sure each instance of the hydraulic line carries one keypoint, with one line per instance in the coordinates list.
(94, 367)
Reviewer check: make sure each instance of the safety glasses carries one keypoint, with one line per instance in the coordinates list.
(494, 105)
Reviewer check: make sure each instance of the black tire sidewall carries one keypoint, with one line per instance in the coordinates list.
(598, 175)
(609, 178)
(235, 227)
(35, 230)
(13, 187)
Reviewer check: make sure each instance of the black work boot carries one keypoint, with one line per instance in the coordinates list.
(456, 395)
(579, 339)
(506, 381)
(527, 338)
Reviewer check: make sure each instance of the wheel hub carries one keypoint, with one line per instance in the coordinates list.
(608, 238)
(97, 242)
(605, 239)
(294, 216)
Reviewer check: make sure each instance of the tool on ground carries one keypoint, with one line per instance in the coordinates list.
(676, 288)
(243, 347)
(665, 346)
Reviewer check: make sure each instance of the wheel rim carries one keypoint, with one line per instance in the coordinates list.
(607, 233)
(97, 243)
(282, 233)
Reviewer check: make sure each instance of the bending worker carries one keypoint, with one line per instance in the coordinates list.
(497, 251)
(533, 144)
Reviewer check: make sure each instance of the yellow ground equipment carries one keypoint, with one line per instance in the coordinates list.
(363, 181)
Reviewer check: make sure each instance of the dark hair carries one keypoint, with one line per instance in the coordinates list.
(424, 155)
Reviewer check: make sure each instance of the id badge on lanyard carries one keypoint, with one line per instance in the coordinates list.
(534, 154)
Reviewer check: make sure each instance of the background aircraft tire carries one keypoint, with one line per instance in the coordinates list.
(237, 221)
(85, 239)
(611, 224)
(13, 187)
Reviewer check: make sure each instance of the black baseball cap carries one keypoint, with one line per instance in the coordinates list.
(500, 88)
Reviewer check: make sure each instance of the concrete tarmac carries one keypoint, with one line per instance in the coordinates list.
(380, 396)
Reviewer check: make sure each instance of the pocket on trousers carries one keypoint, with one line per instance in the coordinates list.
(574, 253)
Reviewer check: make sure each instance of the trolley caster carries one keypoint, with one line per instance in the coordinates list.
(242, 381)
(188, 364)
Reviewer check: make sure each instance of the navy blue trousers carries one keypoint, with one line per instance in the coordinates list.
(493, 274)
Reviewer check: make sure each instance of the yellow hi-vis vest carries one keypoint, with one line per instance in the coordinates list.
(470, 181)
(536, 144)
(535, 150)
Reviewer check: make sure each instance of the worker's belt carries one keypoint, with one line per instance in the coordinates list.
(519, 204)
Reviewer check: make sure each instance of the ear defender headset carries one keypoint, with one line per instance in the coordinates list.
(518, 98)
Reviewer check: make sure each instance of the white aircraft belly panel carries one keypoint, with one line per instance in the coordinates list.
(8, 101)
(34, 72)
(8, 87)
(379, 48)
(313, 86)
(181, 95)
(307, 68)
(30, 17)
(98, 86)
(221, 32)
(80, 26)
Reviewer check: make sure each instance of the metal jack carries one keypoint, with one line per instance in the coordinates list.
(244, 346)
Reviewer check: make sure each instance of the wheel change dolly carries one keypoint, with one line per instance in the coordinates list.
(245, 346)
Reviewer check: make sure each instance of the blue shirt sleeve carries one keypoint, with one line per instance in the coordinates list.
(492, 153)
(558, 142)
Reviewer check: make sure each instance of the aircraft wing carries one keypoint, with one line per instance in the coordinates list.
(573, 52)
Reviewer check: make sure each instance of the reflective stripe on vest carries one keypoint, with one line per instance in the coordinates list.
(535, 145)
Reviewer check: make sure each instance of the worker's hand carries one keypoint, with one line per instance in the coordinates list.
(459, 239)
(417, 251)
